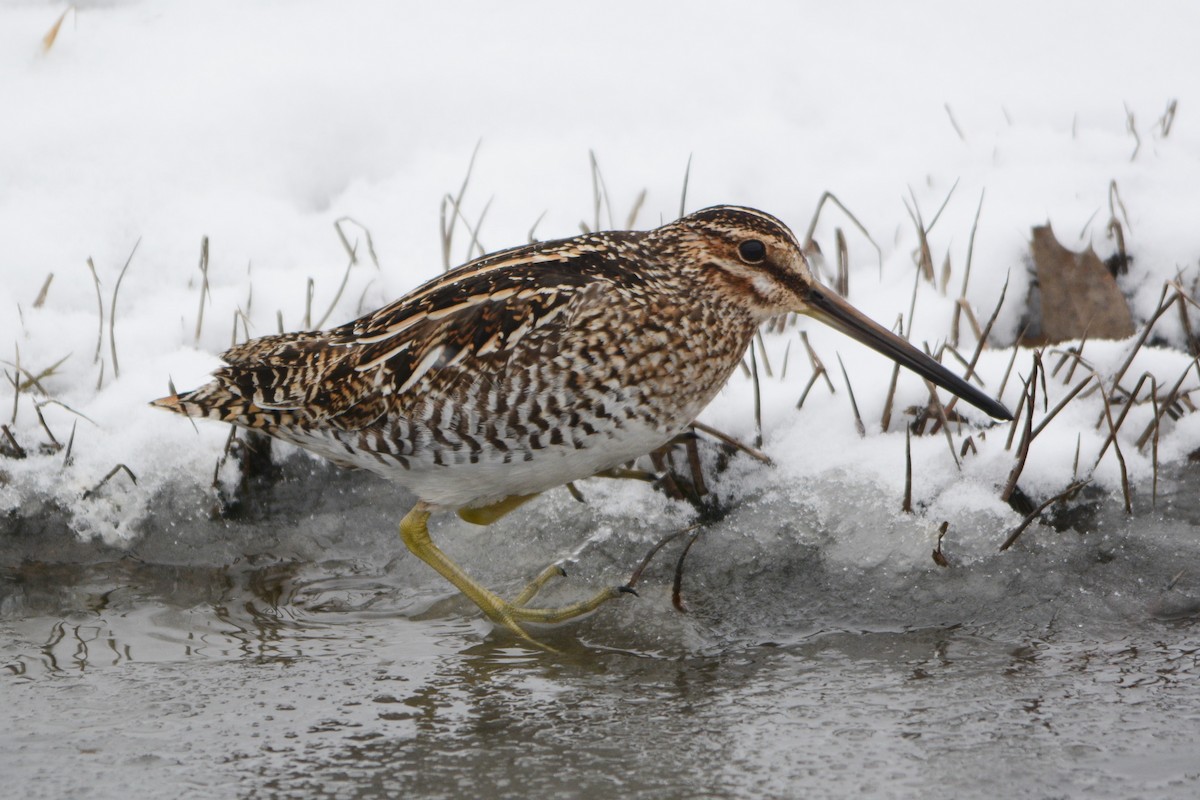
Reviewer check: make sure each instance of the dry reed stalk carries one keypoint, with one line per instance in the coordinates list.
(687, 174)
(819, 371)
(812, 225)
(1037, 512)
(858, 423)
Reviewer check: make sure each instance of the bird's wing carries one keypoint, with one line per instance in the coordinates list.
(475, 317)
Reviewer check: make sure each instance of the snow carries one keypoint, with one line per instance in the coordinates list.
(261, 124)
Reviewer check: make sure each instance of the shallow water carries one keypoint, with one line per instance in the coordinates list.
(299, 653)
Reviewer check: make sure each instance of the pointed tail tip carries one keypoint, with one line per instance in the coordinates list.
(170, 403)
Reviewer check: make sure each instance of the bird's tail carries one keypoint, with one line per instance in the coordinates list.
(214, 401)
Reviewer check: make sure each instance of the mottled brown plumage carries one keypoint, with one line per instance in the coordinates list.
(535, 366)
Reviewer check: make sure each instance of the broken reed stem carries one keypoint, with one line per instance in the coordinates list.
(341, 288)
(843, 264)
(70, 445)
(1037, 512)
(599, 192)
(819, 371)
(17, 450)
(677, 583)
(758, 437)
(308, 299)
(1158, 412)
(100, 308)
(1168, 118)
(204, 290)
(687, 174)
(1137, 387)
(924, 255)
(40, 300)
(944, 420)
(1061, 405)
(366, 233)
(1131, 126)
(962, 294)
(37, 409)
(1112, 429)
(757, 455)
(942, 207)
(1012, 360)
(762, 349)
(886, 420)
(448, 226)
(812, 225)
(638, 201)
(979, 344)
(670, 537)
(112, 311)
(1154, 450)
(1026, 436)
(954, 122)
(112, 472)
(1163, 305)
(907, 506)
(858, 423)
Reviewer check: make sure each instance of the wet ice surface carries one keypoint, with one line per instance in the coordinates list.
(298, 652)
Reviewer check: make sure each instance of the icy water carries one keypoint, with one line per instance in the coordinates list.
(297, 652)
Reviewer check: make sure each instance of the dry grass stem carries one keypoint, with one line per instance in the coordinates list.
(924, 257)
(762, 351)
(939, 557)
(366, 234)
(1163, 305)
(204, 291)
(954, 122)
(1112, 430)
(599, 193)
(111, 473)
(112, 312)
(1131, 126)
(12, 449)
(677, 584)
(40, 300)
(906, 506)
(819, 371)
(758, 429)
(1037, 512)
(52, 35)
(100, 307)
(638, 201)
(1026, 435)
(70, 445)
(670, 537)
(1060, 406)
(754, 453)
(812, 225)
(858, 423)
(448, 225)
(1167, 119)
(1167, 403)
(962, 294)
(980, 342)
(843, 264)
(687, 174)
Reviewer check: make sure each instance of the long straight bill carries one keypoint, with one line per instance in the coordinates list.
(840, 315)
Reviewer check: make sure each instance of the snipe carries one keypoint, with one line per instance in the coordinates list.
(535, 366)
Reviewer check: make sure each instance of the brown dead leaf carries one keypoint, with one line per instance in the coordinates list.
(1079, 294)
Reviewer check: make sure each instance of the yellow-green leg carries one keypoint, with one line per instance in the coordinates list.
(414, 531)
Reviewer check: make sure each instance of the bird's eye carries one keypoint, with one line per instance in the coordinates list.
(752, 251)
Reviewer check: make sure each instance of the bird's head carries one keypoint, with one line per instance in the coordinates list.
(758, 263)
